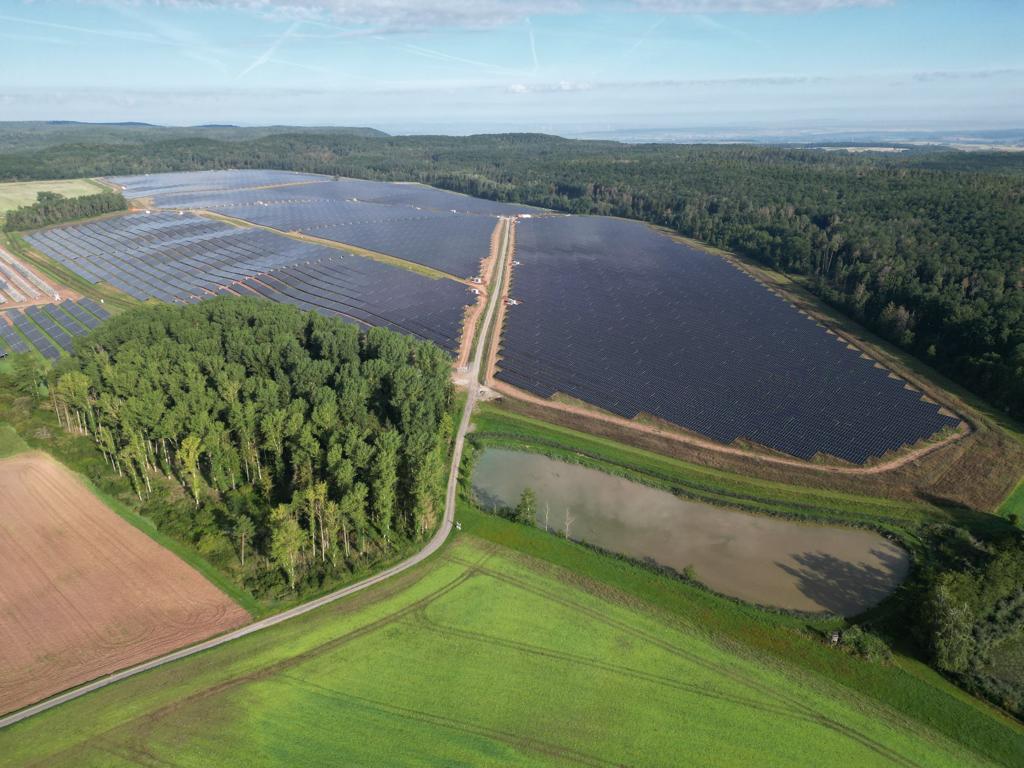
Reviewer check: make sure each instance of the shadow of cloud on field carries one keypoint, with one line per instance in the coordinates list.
(843, 587)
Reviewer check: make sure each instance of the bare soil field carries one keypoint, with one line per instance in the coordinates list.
(82, 592)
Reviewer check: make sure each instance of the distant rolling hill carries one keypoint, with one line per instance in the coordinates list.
(32, 135)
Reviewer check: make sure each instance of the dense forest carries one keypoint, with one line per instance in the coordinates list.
(302, 449)
(969, 597)
(36, 134)
(51, 208)
(925, 248)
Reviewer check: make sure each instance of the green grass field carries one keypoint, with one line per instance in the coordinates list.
(10, 441)
(16, 194)
(478, 657)
(1014, 503)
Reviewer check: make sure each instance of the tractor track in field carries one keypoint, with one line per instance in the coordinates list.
(793, 705)
(432, 546)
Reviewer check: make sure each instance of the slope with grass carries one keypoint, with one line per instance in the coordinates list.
(494, 426)
(406, 675)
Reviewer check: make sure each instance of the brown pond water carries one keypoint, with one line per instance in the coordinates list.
(763, 560)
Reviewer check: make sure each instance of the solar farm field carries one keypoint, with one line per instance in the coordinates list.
(181, 257)
(48, 328)
(442, 230)
(621, 317)
(84, 592)
(443, 241)
(191, 181)
(194, 194)
(405, 675)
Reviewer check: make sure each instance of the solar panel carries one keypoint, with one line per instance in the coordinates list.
(187, 258)
(614, 314)
(34, 335)
(11, 336)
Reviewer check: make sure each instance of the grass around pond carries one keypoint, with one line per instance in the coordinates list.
(479, 657)
(906, 688)
(496, 427)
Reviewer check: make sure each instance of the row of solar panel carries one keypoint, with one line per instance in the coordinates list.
(444, 241)
(205, 190)
(41, 326)
(185, 258)
(617, 315)
(185, 181)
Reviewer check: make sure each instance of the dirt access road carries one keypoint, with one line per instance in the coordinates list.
(432, 546)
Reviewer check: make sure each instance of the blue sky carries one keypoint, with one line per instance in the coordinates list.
(556, 65)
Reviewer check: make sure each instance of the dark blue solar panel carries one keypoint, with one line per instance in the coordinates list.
(94, 308)
(86, 318)
(187, 181)
(34, 335)
(186, 258)
(622, 317)
(12, 337)
(384, 194)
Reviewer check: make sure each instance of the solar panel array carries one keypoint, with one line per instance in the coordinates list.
(619, 316)
(11, 337)
(438, 229)
(180, 257)
(413, 196)
(370, 294)
(45, 324)
(447, 242)
(187, 181)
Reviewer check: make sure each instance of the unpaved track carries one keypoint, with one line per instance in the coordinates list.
(82, 592)
(432, 546)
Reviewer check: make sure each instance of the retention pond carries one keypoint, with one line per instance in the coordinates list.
(763, 560)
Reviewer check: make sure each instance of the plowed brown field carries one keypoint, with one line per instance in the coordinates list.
(82, 592)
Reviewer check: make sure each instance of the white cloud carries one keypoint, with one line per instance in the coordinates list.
(562, 86)
(417, 15)
(395, 14)
(753, 6)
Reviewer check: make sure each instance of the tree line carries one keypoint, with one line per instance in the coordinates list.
(970, 600)
(51, 208)
(302, 448)
(926, 248)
